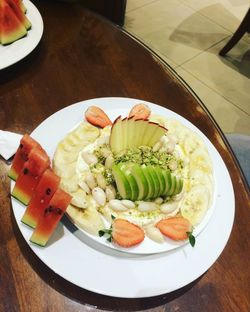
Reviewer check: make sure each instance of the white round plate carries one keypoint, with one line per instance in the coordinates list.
(95, 267)
(16, 51)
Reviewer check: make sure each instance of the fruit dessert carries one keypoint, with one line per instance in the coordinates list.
(13, 22)
(139, 176)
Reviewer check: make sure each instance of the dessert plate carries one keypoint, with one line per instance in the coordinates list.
(96, 267)
(16, 51)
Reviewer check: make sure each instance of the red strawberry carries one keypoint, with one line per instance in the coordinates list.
(140, 111)
(97, 117)
(123, 233)
(126, 234)
(176, 228)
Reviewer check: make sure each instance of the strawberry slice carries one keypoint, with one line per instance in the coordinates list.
(96, 116)
(176, 228)
(124, 233)
(140, 111)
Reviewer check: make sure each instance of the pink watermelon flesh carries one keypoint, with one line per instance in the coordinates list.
(19, 13)
(50, 218)
(26, 145)
(21, 5)
(11, 27)
(31, 173)
(44, 191)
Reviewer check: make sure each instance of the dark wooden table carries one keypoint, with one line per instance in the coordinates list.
(82, 56)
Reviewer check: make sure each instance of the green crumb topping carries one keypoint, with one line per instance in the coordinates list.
(99, 154)
(146, 215)
(145, 155)
(108, 176)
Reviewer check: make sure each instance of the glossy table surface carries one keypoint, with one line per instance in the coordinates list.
(82, 56)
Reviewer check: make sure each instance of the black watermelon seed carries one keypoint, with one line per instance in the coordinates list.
(48, 191)
(59, 211)
(25, 171)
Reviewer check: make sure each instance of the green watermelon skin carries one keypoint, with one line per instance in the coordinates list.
(53, 213)
(22, 153)
(44, 191)
(11, 27)
(31, 173)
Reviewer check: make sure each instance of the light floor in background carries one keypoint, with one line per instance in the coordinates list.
(188, 35)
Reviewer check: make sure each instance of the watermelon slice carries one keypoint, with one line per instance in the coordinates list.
(26, 145)
(52, 215)
(19, 13)
(21, 5)
(44, 191)
(13, 22)
(11, 27)
(32, 171)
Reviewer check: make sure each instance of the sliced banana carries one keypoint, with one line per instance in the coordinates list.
(63, 157)
(198, 177)
(88, 219)
(195, 204)
(69, 185)
(191, 143)
(64, 171)
(70, 148)
(200, 159)
(86, 133)
(79, 199)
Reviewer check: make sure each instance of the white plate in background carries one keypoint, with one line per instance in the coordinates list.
(16, 51)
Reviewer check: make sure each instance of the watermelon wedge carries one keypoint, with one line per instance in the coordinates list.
(44, 191)
(19, 13)
(11, 27)
(32, 171)
(13, 22)
(26, 145)
(52, 215)
(21, 5)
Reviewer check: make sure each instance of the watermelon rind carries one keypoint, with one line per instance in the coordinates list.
(12, 174)
(28, 220)
(21, 196)
(38, 239)
(48, 222)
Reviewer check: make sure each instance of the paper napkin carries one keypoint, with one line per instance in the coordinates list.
(9, 142)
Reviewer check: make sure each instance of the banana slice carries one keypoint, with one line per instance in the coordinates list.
(176, 128)
(64, 157)
(88, 219)
(79, 199)
(64, 171)
(195, 204)
(70, 148)
(191, 143)
(198, 177)
(86, 132)
(69, 185)
(200, 159)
